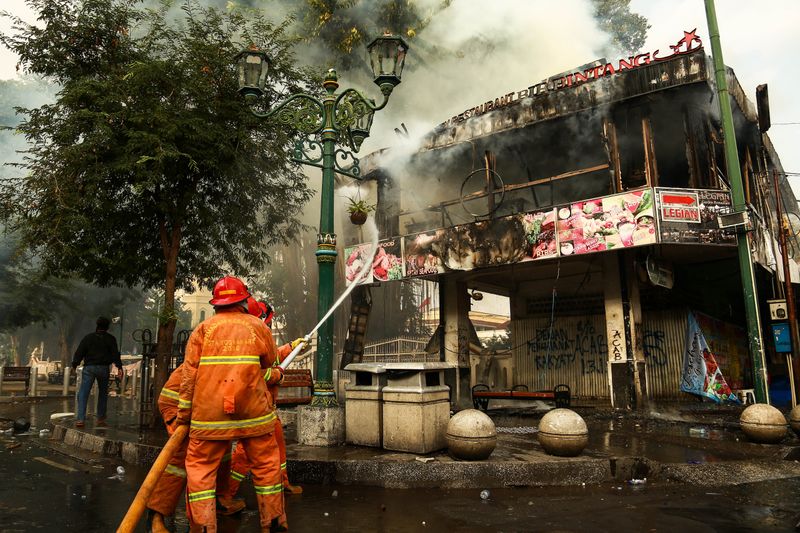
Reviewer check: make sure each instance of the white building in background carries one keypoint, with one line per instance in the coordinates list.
(197, 304)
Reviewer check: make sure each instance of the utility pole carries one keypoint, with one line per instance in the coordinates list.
(739, 205)
(787, 285)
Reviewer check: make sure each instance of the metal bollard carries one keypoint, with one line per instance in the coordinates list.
(34, 388)
(67, 372)
(134, 383)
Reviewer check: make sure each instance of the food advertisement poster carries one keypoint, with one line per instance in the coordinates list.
(689, 216)
(423, 253)
(608, 223)
(540, 234)
(355, 259)
(388, 262)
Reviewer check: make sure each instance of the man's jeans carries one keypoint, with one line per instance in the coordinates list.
(100, 373)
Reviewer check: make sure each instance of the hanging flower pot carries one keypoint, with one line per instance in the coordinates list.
(358, 217)
(359, 209)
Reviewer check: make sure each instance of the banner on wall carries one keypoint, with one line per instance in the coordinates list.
(690, 216)
(423, 253)
(355, 257)
(540, 235)
(701, 373)
(609, 223)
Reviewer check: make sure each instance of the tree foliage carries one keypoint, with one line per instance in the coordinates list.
(341, 29)
(148, 148)
(628, 30)
(148, 170)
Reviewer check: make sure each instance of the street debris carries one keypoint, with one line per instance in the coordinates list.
(637, 481)
(44, 433)
(13, 445)
(120, 475)
(485, 494)
(425, 459)
(334, 494)
(698, 432)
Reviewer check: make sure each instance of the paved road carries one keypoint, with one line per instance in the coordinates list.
(72, 492)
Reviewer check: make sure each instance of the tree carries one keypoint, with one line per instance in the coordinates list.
(341, 29)
(148, 170)
(628, 30)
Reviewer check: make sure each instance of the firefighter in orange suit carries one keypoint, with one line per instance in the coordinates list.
(240, 465)
(164, 498)
(224, 397)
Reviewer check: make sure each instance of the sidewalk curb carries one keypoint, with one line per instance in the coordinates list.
(446, 473)
(129, 452)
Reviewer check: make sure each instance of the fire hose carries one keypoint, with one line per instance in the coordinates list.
(131, 519)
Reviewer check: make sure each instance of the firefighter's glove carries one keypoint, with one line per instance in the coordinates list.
(183, 418)
(297, 342)
(274, 375)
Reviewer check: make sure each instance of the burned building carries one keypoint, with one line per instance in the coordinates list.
(590, 200)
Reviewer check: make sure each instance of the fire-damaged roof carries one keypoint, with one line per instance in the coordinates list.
(680, 70)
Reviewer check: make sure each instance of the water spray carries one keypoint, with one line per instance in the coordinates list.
(372, 233)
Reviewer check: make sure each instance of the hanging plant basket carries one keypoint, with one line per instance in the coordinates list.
(359, 209)
(358, 217)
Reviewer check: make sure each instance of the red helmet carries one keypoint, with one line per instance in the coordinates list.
(266, 312)
(254, 308)
(228, 291)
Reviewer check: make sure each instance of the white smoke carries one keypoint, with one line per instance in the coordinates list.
(474, 52)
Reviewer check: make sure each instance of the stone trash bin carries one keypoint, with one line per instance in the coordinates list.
(416, 407)
(363, 418)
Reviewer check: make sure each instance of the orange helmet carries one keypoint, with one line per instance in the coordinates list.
(228, 291)
(266, 312)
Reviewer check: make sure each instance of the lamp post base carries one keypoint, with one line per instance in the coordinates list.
(320, 426)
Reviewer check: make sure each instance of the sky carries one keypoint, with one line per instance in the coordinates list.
(518, 42)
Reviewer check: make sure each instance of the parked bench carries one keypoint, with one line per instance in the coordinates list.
(297, 387)
(17, 374)
(481, 394)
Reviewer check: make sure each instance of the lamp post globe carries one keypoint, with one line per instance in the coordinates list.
(387, 57)
(253, 66)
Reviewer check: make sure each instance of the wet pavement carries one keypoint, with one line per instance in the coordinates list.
(51, 487)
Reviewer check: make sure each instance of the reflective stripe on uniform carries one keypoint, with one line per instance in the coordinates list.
(168, 393)
(230, 360)
(269, 489)
(202, 495)
(184, 404)
(233, 424)
(283, 466)
(267, 374)
(175, 471)
(237, 476)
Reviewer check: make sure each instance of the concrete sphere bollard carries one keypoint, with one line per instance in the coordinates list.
(763, 423)
(563, 432)
(471, 435)
(794, 420)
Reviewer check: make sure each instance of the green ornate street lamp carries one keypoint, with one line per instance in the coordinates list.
(343, 118)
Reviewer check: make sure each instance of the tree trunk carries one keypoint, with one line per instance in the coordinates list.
(170, 243)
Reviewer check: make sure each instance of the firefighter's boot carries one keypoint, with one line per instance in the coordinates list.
(229, 506)
(288, 488)
(155, 522)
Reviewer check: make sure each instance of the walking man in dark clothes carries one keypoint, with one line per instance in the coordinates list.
(97, 350)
